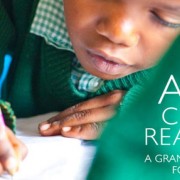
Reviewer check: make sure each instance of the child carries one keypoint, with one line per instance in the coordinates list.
(112, 42)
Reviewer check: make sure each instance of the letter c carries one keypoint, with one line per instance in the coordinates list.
(163, 115)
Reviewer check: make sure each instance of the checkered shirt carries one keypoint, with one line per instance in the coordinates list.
(49, 23)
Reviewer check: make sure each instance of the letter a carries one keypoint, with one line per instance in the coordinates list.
(148, 158)
(167, 85)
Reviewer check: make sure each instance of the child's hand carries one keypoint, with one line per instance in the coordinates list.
(12, 151)
(84, 120)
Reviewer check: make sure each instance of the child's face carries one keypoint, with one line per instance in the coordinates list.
(114, 38)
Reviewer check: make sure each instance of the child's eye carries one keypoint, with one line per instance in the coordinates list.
(164, 22)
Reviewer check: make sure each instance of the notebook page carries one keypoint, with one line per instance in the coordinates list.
(52, 157)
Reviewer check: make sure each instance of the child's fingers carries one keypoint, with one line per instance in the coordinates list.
(80, 118)
(85, 132)
(7, 159)
(88, 116)
(108, 99)
(1, 169)
(5, 146)
(93, 110)
(19, 147)
(9, 147)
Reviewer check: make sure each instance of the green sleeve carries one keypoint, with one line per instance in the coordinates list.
(8, 114)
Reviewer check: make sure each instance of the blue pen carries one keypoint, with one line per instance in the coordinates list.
(7, 63)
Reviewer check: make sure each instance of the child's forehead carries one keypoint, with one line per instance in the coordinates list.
(140, 2)
(167, 4)
(170, 5)
(129, 2)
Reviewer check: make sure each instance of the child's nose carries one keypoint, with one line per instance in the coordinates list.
(119, 31)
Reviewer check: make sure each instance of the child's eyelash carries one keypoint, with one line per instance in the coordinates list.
(163, 22)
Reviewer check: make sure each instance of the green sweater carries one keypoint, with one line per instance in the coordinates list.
(39, 78)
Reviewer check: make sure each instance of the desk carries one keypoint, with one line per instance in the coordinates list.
(51, 158)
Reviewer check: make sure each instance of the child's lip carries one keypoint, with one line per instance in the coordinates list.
(107, 57)
(107, 64)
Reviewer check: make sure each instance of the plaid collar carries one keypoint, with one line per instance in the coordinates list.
(49, 23)
(83, 80)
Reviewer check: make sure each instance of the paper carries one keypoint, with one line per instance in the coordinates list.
(53, 157)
